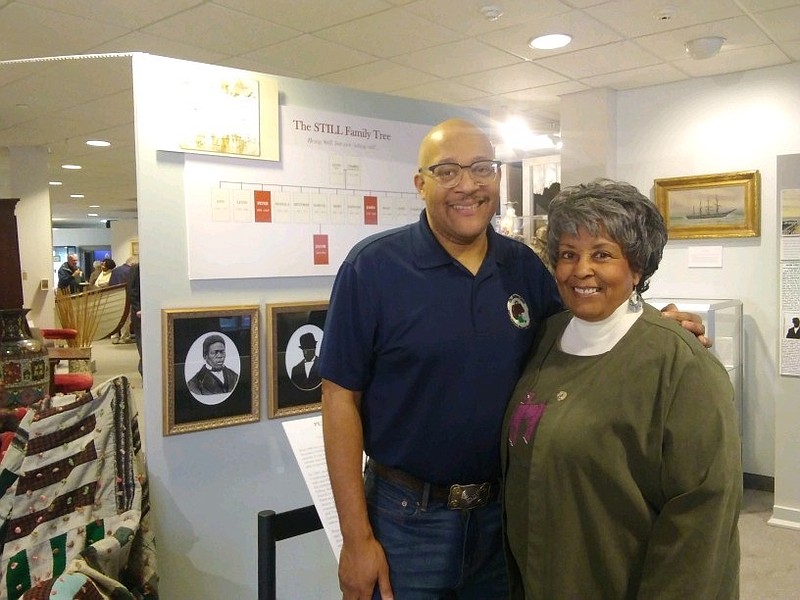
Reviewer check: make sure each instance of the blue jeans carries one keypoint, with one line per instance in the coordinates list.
(435, 553)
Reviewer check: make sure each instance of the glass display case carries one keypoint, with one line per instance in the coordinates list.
(723, 321)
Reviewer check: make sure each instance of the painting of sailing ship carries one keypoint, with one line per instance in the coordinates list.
(709, 211)
(710, 206)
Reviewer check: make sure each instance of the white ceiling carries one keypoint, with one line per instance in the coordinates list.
(440, 50)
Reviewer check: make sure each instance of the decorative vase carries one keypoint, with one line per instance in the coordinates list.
(23, 361)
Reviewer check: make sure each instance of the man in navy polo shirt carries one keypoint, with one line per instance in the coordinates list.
(427, 330)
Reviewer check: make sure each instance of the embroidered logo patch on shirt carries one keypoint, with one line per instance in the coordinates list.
(518, 311)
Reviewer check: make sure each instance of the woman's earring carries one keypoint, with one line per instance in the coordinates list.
(635, 302)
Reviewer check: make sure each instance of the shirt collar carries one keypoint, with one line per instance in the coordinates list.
(428, 252)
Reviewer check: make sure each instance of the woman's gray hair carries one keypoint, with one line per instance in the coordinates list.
(618, 209)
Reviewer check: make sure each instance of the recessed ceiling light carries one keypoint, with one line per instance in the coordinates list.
(92, 215)
(71, 167)
(550, 41)
(94, 206)
(77, 196)
(55, 183)
(98, 143)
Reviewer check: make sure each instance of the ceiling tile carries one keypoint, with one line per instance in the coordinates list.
(637, 17)
(379, 76)
(610, 58)
(457, 58)
(389, 33)
(130, 14)
(306, 15)
(508, 79)
(247, 64)
(220, 30)
(448, 92)
(756, 6)
(545, 93)
(28, 31)
(634, 78)
(783, 24)
(309, 55)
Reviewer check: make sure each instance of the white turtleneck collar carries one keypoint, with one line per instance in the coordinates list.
(589, 338)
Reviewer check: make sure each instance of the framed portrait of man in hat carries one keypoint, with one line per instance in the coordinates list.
(294, 335)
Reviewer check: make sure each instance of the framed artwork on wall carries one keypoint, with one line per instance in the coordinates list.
(294, 336)
(211, 367)
(711, 206)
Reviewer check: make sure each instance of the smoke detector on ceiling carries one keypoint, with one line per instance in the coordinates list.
(492, 12)
(665, 13)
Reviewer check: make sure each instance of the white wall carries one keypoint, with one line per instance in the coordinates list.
(81, 236)
(207, 487)
(712, 125)
(29, 183)
(123, 232)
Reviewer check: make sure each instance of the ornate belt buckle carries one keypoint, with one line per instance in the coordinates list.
(468, 496)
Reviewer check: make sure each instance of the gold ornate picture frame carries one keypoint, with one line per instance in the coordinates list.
(211, 360)
(294, 336)
(711, 206)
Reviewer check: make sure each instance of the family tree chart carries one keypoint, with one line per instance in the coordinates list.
(340, 178)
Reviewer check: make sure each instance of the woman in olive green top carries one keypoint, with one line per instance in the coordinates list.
(622, 454)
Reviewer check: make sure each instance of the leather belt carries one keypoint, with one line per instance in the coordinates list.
(459, 496)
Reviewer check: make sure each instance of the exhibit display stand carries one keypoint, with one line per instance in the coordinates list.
(723, 321)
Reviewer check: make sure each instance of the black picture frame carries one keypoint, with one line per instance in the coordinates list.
(193, 399)
(291, 325)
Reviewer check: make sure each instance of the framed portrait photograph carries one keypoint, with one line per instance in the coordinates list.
(711, 206)
(294, 336)
(211, 367)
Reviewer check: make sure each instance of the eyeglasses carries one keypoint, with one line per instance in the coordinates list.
(448, 175)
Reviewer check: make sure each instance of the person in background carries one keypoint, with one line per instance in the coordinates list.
(96, 270)
(69, 275)
(621, 455)
(106, 268)
(135, 299)
(119, 275)
(426, 333)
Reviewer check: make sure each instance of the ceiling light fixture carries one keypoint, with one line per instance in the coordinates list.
(98, 143)
(55, 183)
(492, 12)
(550, 41)
(77, 196)
(71, 167)
(704, 47)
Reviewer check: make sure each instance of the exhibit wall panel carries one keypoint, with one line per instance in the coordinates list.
(208, 486)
